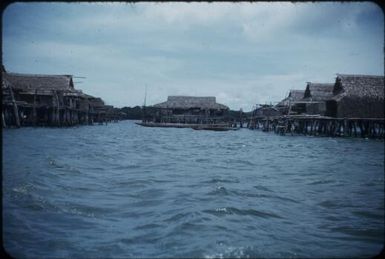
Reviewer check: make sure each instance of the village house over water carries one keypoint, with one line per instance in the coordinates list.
(188, 112)
(49, 100)
(351, 106)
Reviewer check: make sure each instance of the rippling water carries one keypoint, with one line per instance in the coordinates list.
(123, 190)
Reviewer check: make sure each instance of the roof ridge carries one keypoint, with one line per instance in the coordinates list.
(36, 75)
(321, 83)
(191, 96)
(359, 75)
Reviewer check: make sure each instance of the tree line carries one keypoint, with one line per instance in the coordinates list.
(137, 113)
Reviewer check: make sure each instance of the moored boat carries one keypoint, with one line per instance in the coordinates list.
(215, 127)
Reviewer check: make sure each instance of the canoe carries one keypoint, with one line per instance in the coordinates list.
(215, 127)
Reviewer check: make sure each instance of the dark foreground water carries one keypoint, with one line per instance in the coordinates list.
(127, 191)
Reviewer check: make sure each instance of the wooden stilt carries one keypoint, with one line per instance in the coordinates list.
(345, 127)
(3, 119)
(15, 108)
(34, 112)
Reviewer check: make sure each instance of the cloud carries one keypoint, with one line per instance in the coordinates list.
(242, 53)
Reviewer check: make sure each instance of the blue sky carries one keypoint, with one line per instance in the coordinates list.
(242, 53)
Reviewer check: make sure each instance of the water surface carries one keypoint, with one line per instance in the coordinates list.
(123, 190)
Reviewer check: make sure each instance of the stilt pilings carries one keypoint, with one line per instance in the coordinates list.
(321, 126)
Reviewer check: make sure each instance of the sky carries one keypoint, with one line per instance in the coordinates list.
(242, 53)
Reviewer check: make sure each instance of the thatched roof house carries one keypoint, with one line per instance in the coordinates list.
(357, 96)
(294, 96)
(189, 109)
(47, 100)
(318, 92)
(285, 106)
(190, 102)
(315, 97)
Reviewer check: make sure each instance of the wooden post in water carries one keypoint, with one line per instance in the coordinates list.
(15, 108)
(58, 111)
(350, 128)
(53, 112)
(345, 127)
(3, 119)
(366, 124)
(34, 112)
(306, 131)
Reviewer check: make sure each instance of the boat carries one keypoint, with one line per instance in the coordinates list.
(214, 127)
(166, 124)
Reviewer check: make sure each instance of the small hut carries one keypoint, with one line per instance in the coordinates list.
(315, 97)
(357, 96)
(190, 109)
(291, 104)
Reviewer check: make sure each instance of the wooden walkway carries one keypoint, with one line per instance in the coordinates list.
(321, 126)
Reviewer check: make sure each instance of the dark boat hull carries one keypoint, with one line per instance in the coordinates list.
(214, 127)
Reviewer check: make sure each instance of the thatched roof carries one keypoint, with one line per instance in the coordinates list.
(294, 96)
(187, 102)
(318, 92)
(31, 82)
(362, 86)
(96, 102)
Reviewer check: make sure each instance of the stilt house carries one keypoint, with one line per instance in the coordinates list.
(291, 104)
(315, 97)
(44, 100)
(357, 96)
(190, 109)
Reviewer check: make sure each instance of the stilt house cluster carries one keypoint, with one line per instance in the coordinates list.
(351, 106)
(49, 100)
(350, 96)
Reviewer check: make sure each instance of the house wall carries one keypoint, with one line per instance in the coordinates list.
(349, 107)
(298, 108)
(188, 115)
(316, 108)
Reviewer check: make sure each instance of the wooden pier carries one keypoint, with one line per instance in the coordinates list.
(321, 126)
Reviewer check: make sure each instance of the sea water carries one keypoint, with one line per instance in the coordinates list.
(122, 190)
